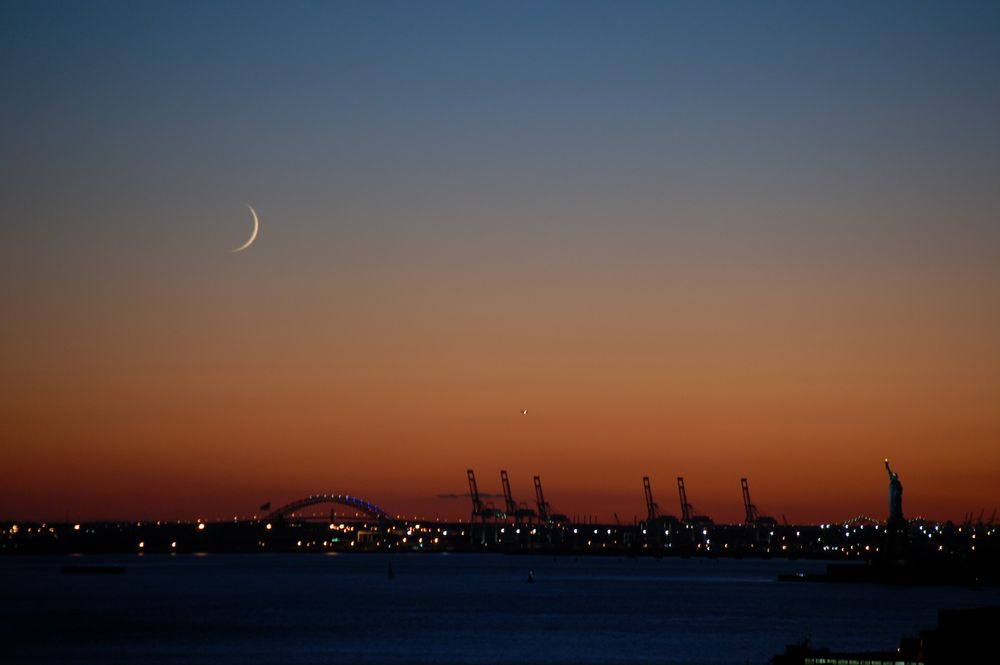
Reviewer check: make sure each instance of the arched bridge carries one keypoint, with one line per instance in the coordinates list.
(343, 499)
(862, 520)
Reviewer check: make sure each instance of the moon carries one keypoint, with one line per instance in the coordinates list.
(253, 236)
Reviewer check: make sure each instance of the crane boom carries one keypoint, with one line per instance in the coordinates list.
(511, 506)
(685, 506)
(751, 510)
(652, 510)
(477, 505)
(543, 507)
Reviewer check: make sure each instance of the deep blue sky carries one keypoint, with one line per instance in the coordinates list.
(460, 104)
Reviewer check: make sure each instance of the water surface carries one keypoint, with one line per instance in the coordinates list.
(444, 609)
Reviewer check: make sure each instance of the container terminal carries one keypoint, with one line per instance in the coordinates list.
(896, 550)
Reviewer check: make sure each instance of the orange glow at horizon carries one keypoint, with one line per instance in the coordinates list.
(210, 403)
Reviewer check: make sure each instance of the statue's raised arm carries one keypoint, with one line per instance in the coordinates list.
(887, 467)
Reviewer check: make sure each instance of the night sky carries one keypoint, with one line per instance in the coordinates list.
(702, 239)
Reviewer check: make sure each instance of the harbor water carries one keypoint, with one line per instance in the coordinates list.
(444, 609)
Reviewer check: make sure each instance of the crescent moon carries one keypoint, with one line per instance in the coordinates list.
(253, 236)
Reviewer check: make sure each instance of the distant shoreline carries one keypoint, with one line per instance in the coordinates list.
(976, 546)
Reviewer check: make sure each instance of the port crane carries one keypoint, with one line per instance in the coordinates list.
(519, 513)
(477, 505)
(688, 515)
(480, 510)
(753, 516)
(508, 498)
(545, 513)
(652, 510)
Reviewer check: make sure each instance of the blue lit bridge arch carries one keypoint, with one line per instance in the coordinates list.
(355, 502)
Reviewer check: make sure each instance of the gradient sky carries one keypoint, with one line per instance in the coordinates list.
(703, 239)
